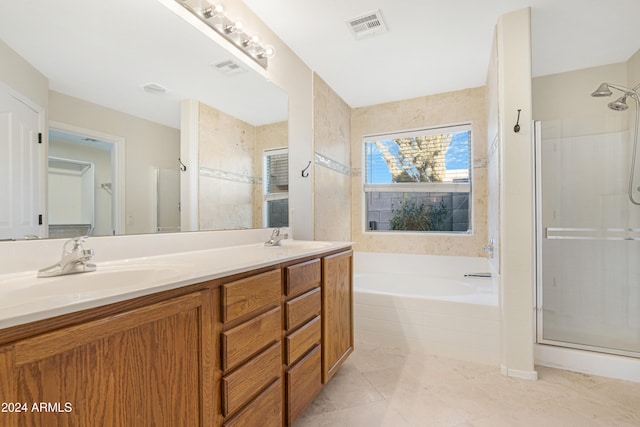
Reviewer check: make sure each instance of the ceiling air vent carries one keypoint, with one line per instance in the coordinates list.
(155, 88)
(367, 25)
(228, 67)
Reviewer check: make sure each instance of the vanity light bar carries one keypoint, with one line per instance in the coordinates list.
(233, 31)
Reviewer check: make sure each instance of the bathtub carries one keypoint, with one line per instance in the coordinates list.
(425, 304)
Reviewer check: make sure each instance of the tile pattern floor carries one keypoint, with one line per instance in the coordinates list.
(379, 386)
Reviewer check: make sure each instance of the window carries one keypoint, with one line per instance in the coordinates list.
(276, 188)
(418, 180)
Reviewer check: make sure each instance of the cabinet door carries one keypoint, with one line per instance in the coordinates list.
(151, 366)
(337, 312)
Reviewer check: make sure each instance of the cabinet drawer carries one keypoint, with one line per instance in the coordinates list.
(264, 410)
(303, 383)
(299, 342)
(243, 384)
(251, 294)
(245, 340)
(302, 308)
(302, 277)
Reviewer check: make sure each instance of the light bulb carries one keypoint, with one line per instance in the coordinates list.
(251, 41)
(212, 10)
(233, 28)
(267, 52)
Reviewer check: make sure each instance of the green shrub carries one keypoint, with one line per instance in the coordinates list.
(411, 216)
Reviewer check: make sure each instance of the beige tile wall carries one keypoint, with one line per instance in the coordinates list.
(225, 144)
(332, 188)
(467, 105)
(236, 147)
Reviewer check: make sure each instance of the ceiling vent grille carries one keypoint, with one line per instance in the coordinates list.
(229, 67)
(155, 88)
(367, 25)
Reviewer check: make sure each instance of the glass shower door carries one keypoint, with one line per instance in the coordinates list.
(588, 241)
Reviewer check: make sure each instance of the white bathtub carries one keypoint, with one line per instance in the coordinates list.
(425, 304)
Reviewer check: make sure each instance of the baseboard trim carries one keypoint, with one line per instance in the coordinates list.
(517, 373)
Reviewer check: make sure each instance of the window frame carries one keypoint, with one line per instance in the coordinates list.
(419, 187)
(266, 195)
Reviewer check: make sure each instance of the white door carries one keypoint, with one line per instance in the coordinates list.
(21, 170)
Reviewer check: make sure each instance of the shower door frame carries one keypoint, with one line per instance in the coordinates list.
(539, 230)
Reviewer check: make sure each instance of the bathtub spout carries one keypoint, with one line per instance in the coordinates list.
(486, 275)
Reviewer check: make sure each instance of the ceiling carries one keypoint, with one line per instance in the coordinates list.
(106, 51)
(436, 46)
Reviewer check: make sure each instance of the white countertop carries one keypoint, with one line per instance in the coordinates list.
(26, 298)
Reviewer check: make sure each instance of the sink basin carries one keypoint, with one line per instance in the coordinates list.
(304, 244)
(105, 278)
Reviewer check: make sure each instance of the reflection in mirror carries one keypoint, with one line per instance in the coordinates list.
(84, 65)
(79, 185)
(234, 177)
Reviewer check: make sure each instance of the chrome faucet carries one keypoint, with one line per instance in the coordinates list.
(489, 248)
(276, 238)
(74, 260)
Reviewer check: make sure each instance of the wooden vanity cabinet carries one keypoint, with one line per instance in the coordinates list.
(337, 311)
(249, 350)
(151, 366)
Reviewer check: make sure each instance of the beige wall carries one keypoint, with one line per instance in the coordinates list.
(467, 105)
(332, 178)
(633, 70)
(148, 145)
(566, 97)
(23, 77)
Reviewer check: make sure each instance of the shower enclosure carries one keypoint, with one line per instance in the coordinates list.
(588, 222)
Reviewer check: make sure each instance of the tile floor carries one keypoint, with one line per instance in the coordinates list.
(379, 386)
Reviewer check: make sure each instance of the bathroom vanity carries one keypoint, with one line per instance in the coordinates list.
(248, 345)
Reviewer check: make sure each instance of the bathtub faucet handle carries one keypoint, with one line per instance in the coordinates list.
(489, 248)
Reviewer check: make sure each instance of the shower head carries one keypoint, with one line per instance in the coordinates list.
(619, 104)
(603, 90)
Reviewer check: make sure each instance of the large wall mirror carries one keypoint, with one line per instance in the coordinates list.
(104, 82)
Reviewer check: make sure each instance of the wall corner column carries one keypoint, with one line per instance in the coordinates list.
(189, 156)
(517, 208)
